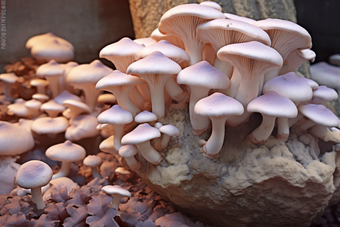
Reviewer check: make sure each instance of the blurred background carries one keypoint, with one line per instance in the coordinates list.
(90, 25)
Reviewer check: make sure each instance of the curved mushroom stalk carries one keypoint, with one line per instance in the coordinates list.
(262, 133)
(149, 153)
(64, 170)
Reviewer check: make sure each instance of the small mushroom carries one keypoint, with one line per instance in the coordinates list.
(128, 152)
(94, 162)
(67, 153)
(117, 193)
(33, 175)
(168, 131)
(122, 172)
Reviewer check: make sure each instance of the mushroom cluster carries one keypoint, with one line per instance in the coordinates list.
(209, 106)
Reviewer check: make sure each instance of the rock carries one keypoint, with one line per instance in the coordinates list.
(147, 13)
(273, 184)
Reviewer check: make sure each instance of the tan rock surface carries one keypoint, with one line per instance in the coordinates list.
(274, 184)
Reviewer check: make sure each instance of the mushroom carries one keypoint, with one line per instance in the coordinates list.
(85, 77)
(286, 36)
(33, 175)
(33, 107)
(82, 126)
(271, 105)
(120, 84)
(295, 59)
(251, 61)
(182, 21)
(222, 32)
(117, 117)
(52, 108)
(201, 78)
(52, 49)
(76, 108)
(45, 37)
(117, 193)
(240, 18)
(128, 152)
(18, 108)
(141, 137)
(51, 71)
(212, 4)
(145, 117)
(108, 146)
(157, 35)
(155, 69)
(218, 107)
(167, 131)
(94, 162)
(326, 74)
(145, 41)
(66, 95)
(122, 172)
(49, 126)
(67, 153)
(40, 84)
(324, 94)
(10, 79)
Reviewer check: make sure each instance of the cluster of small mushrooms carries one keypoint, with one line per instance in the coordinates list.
(225, 67)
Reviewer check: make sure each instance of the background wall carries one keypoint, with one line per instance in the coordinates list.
(89, 25)
(322, 21)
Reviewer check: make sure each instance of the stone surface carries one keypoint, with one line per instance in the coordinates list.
(147, 13)
(274, 184)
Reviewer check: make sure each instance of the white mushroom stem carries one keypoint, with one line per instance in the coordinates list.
(165, 140)
(149, 153)
(215, 142)
(132, 162)
(199, 123)
(282, 128)
(307, 124)
(116, 200)
(95, 173)
(224, 67)
(64, 170)
(91, 94)
(157, 99)
(37, 197)
(117, 137)
(194, 48)
(262, 133)
(137, 98)
(174, 90)
(124, 101)
(53, 84)
(292, 121)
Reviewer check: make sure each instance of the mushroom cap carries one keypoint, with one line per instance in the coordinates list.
(40, 97)
(52, 49)
(14, 140)
(145, 41)
(18, 108)
(253, 50)
(45, 37)
(169, 50)
(117, 78)
(123, 47)
(291, 86)
(145, 116)
(8, 77)
(273, 104)
(170, 130)
(92, 161)
(52, 105)
(236, 17)
(155, 63)
(116, 189)
(33, 104)
(203, 74)
(307, 54)
(230, 31)
(127, 151)
(314, 85)
(218, 105)
(212, 4)
(38, 82)
(66, 95)
(66, 152)
(319, 114)
(325, 93)
(140, 134)
(33, 174)
(186, 12)
(115, 116)
(122, 171)
(48, 125)
(88, 73)
(71, 103)
(82, 126)
(52, 68)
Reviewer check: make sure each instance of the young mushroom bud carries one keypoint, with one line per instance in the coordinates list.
(128, 152)
(94, 162)
(117, 193)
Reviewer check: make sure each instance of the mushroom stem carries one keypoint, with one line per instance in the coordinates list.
(95, 173)
(199, 123)
(307, 124)
(165, 141)
(224, 67)
(91, 95)
(149, 153)
(282, 128)
(53, 84)
(157, 100)
(174, 90)
(215, 142)
(132, 163)
(118, 134)
(116, 200)
(262, 133)
(64, 170)
(137, 98)
(37, 197)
